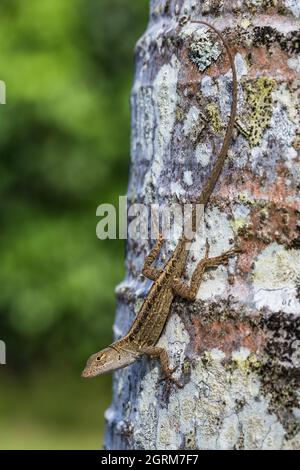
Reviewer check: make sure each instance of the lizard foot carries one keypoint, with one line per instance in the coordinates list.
(162, 354)
(168, 376)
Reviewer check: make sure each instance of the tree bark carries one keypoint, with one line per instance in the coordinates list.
(237, 343)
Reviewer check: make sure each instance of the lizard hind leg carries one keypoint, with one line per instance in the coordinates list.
(162, 355)
(189, 292)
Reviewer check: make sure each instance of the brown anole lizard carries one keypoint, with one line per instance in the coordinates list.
(149, 323)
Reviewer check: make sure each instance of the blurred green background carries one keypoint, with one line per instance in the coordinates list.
(64, 145)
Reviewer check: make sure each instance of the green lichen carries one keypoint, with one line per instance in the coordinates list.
(250, 364)
(180, 114)
(186, 367)
(258, 109)
(263, 213)
(246, 232)
(238, 224)
(214, 117)
(242, 197)
(244, 365)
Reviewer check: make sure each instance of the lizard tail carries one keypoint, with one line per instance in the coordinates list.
(213, 178)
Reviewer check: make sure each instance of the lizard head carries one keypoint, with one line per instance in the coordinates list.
(105, 361)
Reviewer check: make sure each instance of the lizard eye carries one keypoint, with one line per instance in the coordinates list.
(101, 357)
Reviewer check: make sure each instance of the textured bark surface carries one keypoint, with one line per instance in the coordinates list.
(237, 344)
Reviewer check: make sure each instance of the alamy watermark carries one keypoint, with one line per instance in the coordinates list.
(142, 222)
(2, 92)
(2, 353)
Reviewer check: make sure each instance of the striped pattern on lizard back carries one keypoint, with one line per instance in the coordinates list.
(150, 321)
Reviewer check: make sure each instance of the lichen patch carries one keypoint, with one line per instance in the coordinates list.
(258, 109)
(191, 123)
(275, 279)
(188, 178)
(163, 105)
(293, 6)
(203, 51)
(203, 154)
(240, 65)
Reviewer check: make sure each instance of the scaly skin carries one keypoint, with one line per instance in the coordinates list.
(151, 319)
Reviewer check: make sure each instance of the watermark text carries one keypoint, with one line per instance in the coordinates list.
(143, 222)
(2, 92)
(2, 353)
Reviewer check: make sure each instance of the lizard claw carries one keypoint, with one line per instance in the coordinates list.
(207, 248)
(171, 371)
(168, 376)
(160, 237)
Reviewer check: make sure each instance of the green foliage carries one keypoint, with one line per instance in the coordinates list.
(53, 411)
(64, 143)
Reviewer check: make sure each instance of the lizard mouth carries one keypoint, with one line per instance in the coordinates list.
(87, 373)
(84, 374)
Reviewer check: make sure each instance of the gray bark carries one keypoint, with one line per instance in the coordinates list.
(237, 343)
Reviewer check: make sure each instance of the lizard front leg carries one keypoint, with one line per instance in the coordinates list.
(163, 357)
(150, 271)
(189, 292)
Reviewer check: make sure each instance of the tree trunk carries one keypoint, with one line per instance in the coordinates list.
(236, 344)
